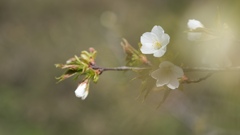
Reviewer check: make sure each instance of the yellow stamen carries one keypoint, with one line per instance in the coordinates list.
(157, 45)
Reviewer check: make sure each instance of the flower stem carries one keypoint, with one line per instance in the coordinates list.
(122, 68)
(207, 69)
(185, 69)
(198, 80)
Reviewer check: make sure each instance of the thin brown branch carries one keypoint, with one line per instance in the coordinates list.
(198, 80)
(123, 68)
(185, 69)
(207, 69)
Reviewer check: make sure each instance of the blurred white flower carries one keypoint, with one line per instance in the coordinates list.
(193, 25)
(167, 74)
(82, 90)
(155, 42)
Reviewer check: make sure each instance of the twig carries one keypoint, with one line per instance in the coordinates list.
(123, 68)
(198, 80)
(207, 69)
(185, 69)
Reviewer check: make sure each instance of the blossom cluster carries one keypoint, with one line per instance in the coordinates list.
(154, 42)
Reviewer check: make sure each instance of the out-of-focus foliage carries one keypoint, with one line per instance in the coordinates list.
(36, 34)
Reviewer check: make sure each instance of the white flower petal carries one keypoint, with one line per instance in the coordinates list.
(194, 24)
(82, 90)
(161, 76)
(158, 30)
(178, 72)
(147, 50)
(165, 38)
(162, 81)
(85, 95)
(167, 74)
(165, 64)
(154, 42)
(160, 52)
(156, 74)
(173, 84)
(147, 38)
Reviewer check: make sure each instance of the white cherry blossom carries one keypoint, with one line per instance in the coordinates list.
(155, 42)
(193, 25)
(167, 74)
(82, 90)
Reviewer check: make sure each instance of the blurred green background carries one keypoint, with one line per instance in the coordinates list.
(36, 34)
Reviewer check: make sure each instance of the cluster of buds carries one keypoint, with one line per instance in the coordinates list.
(133, 56)
(81, 66)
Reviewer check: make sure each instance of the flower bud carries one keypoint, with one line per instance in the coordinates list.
(194, 24)
(82, 90)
